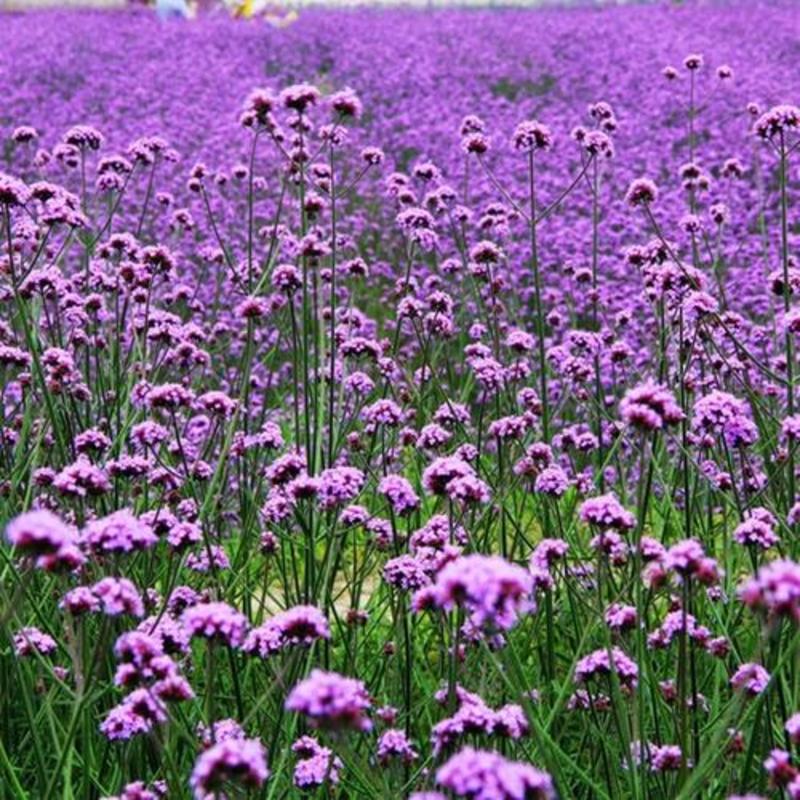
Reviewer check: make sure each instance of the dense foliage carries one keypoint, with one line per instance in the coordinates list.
(400, 404)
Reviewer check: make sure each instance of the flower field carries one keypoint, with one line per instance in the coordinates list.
(401, 404)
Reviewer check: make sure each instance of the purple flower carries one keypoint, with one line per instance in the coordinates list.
(792, 727)
(13, 192)
(751, 679)
(650, 407)
(406, 572)
(300, 96)
(400, 494)
(548, 551)
(332, 701)
(641, 192)
(600, 663)
(620, 617)
(777, 120)
(775, 589)
(82, 478)
(219, 731)
(531, 136)
(437, 477)
(779, 768)
(491, 589)
(552, 481)
(383, 412)
(118, 596)
(40, 533)
(474, 717)
(169, 397)
(317, 764)
(468, 489)
(138, 713)
(242, 762)
(28, 641)
(757, 529)
(486, 775)
(721, 414)
(203, 560)
(394, 744)
(217, 622)
(665, 758)
(217, 403)
(299, 626)
(119, 532)
(606, 512)
(138, 790)
(688, 558)
(674, 623)
(338, 486)
(80, 600)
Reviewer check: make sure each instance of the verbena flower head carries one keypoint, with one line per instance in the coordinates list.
(118, 596)
(438, 476)
(778, 121)
(300, 97)
(531, 136)
(28, 641)
(331, 700)
(751, 679)
(258, 108)
(688, 558)
(119, 532)
(393, 744)
(317, 765)
(299, 626)
(775, 589)
(641, 192)
(13, 192)
(552, 481)
(138, 713)
(650, 407)
(400, 494)
(607, 513)
(40, 533)
(346, 103)
(493, 591)
(230, 762)
(693, 62)
(217, 622)
(721, 414)
(600, 663)
(338, 486)
(486, 775)
(138, 790)
(757, 529)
